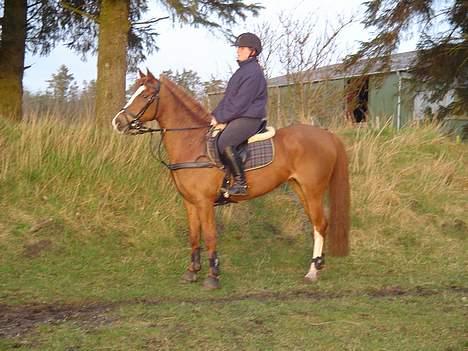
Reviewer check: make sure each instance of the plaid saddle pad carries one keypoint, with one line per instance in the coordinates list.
(259, 153)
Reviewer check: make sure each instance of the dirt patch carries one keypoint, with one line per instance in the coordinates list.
(15, 321)
(389, 291)
(460, 225)
(385, 292)
(456, 225)
(35, 249)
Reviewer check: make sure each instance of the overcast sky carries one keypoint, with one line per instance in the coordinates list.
(202, 51)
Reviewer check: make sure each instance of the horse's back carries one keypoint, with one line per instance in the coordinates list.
(306, 143)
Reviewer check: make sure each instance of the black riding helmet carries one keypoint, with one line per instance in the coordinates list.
(249, 40)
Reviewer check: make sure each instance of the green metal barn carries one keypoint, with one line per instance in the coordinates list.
(330, 94)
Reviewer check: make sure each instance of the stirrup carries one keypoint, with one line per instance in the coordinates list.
(237, 189)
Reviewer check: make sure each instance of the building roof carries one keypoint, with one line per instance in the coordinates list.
(398, 62)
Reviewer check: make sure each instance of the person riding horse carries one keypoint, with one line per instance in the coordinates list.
(311, 159)
(243, 108)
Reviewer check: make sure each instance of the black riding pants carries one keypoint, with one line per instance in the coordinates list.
(237, 131)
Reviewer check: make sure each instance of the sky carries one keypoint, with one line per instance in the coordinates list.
(198, 49)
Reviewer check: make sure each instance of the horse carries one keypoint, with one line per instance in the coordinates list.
(313, 160)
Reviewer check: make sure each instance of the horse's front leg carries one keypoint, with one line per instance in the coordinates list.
(194, 234)
(207, 218)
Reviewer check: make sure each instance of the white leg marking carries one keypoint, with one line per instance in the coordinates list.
(318, 244)
(313, 273)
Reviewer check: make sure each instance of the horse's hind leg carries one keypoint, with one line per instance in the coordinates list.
(313, 205)
(194, 233)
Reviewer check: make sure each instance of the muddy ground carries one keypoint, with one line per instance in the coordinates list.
(18, 320)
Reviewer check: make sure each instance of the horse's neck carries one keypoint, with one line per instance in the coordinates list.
(185, 145)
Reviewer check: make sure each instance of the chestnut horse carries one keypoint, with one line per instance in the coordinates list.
(312, 159)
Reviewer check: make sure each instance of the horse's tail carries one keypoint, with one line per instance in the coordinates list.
(339, 193)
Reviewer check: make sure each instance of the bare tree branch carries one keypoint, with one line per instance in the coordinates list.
(76, 10)
(151, 21)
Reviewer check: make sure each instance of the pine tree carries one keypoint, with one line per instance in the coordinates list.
(26, 25)
(214, 85)
(62, 86)
(12, 52)
(441, 65)
(124, 37)
(187, 79)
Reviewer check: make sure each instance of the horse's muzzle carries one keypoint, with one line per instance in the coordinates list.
(121, 123)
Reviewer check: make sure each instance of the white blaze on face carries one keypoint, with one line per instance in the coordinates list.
(115, 120)
(135, 94)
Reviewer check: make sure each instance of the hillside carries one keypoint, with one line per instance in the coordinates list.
(93, 238)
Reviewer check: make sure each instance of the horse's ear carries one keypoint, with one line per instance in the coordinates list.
(141, 75)
(149, 76)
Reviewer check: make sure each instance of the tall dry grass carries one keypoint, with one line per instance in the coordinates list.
(407, 188)
(82, 175)
(409, 232)
(403, 183)
(408, 192)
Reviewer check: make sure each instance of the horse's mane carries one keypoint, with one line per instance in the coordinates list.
(189, 102)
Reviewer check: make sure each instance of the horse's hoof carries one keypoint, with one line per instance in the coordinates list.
(211, 283)
(311, 277)
(189, 277)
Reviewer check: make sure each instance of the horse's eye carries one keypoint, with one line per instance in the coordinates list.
(145, 96)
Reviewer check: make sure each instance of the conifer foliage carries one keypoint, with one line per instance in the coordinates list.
(441, 66)
(124, 38)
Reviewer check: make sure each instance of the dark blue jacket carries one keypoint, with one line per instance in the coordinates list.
(245, 95)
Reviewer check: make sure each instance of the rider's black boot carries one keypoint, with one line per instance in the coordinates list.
(233, 161)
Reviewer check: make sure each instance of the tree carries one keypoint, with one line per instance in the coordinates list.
(441, 65)
(305, 45)
(213, 85)
(12, 52)
(62, 85)
(63, 98)
(271, 38)
(188, 79)
(123, 38)
(26, 25)
(88, 92)
(122, 30)
(114, 27)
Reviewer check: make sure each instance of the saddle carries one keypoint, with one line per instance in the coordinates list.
(255, 153)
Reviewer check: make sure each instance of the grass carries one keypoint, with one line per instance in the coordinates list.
(93, 239)
(337, 324)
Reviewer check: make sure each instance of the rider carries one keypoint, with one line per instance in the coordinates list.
(243, 107)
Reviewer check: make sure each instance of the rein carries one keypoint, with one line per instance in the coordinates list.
(136, 127)
(180, 165)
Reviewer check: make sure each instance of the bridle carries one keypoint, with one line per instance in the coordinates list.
(137, 127)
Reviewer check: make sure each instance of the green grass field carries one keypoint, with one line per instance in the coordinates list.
(93, 241)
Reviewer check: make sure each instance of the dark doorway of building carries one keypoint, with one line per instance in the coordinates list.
(357, 99)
